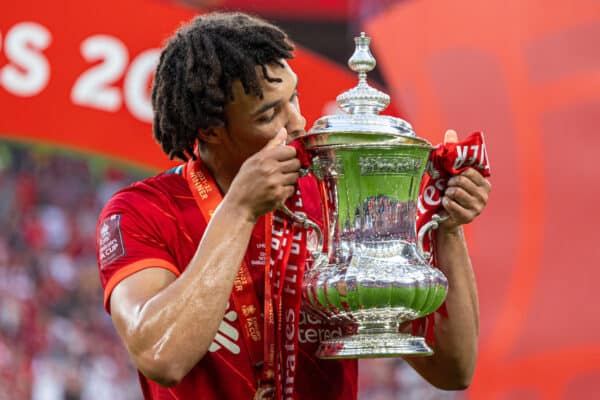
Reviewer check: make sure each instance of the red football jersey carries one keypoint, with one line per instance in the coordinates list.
(156, 223)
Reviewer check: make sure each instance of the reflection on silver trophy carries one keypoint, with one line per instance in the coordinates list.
(372, 273)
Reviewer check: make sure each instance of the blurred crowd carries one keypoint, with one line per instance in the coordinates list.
(56, 341)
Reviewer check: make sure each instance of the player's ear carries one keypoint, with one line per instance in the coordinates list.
(212, 135)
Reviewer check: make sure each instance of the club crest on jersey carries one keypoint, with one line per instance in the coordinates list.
(248, 310)
(227, 336)
(110, 240)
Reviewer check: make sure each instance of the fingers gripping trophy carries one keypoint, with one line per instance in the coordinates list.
(370, 271)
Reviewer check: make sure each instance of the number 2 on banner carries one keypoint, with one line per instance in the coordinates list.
(96, 88)
(93, 86)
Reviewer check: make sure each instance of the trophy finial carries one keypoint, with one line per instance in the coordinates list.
(362, 61)
(362, 99)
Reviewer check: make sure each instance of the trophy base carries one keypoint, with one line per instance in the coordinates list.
(374, 345)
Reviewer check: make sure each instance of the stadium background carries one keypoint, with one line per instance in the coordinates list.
(74, 126)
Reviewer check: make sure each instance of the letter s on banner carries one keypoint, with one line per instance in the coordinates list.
(29, 71)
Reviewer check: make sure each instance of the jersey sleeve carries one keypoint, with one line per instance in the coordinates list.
(131, 236)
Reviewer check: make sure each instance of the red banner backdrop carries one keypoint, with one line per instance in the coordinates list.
(79, 73)
(527, 73)
(309, 9)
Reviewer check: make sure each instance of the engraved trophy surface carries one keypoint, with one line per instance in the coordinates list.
(372, 275)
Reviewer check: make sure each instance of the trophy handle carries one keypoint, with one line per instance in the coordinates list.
(304, 221)
(433, 224)
(307, 223)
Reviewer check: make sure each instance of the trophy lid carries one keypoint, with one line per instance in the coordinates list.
(360, 122)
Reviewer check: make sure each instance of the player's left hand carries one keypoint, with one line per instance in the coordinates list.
(466, 195)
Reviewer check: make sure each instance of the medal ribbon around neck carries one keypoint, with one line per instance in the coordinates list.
(266, 339)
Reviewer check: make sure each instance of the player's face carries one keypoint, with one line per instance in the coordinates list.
(252, 121)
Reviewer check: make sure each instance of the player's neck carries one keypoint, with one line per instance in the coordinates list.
(219, 168)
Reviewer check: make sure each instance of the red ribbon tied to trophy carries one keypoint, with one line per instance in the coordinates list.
(445, 161)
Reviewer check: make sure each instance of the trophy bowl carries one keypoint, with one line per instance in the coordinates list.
(372, 274)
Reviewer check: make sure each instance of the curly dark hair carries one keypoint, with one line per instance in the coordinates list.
(196, 70)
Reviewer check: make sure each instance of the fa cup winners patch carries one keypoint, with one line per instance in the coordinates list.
(110, 240)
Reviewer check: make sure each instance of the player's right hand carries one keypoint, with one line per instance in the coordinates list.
(267, 178)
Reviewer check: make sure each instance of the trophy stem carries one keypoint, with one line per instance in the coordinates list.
(371, 328)
(374, 340)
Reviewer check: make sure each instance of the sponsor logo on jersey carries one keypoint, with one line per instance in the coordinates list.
(312, 330)
(227, 336)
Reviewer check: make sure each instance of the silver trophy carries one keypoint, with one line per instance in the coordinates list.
(372, 273)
